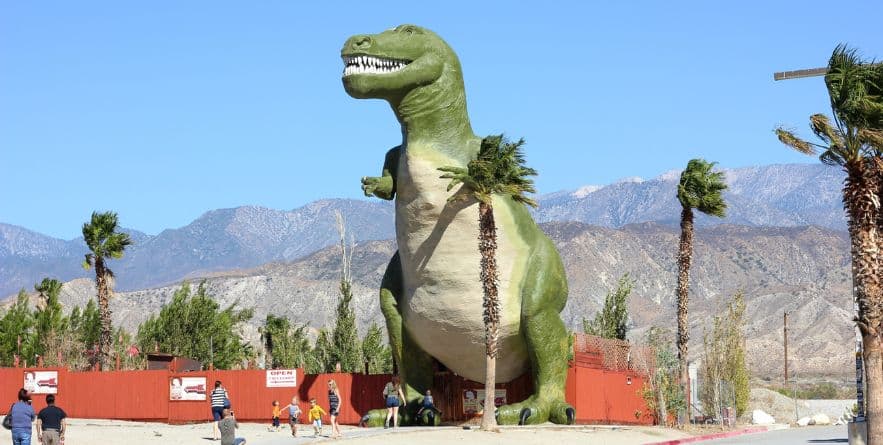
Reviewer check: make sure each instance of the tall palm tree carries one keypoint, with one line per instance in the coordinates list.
(854, 142)
(700, 189)
(104, 242)
(498, 170)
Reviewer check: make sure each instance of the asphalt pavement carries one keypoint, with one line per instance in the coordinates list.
(811, 435)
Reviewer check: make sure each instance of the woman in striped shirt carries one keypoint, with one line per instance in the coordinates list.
(220, 400)
(334, 408)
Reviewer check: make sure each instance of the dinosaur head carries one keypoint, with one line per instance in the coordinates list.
(396, 62)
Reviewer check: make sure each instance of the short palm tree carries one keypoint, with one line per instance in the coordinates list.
(104, 242)
(700, 189)
(854, 142)
(498, 170)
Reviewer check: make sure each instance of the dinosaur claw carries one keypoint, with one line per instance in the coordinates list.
(363, 422)
(571, 416)
(523, 416)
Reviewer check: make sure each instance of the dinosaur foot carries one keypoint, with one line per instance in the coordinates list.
(407, 417)
(375, 418)
(535, 410)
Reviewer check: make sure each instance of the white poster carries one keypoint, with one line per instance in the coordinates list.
(473, 400)
(281, 378)
(187, 388)
(41, 382)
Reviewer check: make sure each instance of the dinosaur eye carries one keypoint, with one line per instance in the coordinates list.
(409, 30)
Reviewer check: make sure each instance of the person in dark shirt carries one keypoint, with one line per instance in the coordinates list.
(50, 423)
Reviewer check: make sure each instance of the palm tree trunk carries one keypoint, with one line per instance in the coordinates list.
(487, 246)
(105, 340)
(685, 257)
(861, 198)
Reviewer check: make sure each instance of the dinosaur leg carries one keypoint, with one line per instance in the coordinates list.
(414, 365)
(548, 344)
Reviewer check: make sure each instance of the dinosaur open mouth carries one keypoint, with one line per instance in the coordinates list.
(371, 65)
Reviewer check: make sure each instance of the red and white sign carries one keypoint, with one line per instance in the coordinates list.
(187, 388)
(473, 400)
(281, 378)
(41, 382)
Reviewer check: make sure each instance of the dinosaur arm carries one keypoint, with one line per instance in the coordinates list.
(384, 186)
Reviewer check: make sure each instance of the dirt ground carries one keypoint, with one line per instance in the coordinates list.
(90, 431)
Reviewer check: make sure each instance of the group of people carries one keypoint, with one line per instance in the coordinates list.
(225, 424)
(50, 421)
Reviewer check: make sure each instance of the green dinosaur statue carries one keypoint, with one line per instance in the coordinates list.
(431, 294)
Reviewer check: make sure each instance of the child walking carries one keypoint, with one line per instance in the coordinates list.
(315, 416)
(293, 415)
(276, 413)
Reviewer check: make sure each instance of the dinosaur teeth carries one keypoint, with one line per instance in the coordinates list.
(371, 65)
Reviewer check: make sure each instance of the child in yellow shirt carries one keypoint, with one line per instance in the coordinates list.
(315, 416)
(277, 412)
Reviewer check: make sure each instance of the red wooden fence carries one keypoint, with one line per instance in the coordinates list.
(599, 396)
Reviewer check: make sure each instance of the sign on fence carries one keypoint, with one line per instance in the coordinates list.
(41, 382)
(281, 378)
(473, 400)
(187, 388)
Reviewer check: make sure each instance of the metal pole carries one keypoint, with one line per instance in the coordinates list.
(794, 395)
(785, 334)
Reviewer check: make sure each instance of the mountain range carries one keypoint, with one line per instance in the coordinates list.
(243, 237)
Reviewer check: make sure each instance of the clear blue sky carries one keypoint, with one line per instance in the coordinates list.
(163, 110)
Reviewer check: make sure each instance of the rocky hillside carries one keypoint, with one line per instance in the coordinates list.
(803, 270)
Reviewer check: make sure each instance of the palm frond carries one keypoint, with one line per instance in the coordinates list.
(872, 138)
(497, 170)
(103, 238)
(790, 139)
(821, 126)
(702, 189)
(855, 87)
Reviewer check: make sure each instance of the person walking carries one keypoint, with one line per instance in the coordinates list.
(50, 423)
(220, 400)
(334, 408)
(393, 395)
(22, 415)
(228, 426)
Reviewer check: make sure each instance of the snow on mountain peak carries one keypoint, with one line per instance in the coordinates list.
(586, 190)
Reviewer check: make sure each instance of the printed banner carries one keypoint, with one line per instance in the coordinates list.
(473, 400)
(41, 382)
(187, 388)
(281, 378)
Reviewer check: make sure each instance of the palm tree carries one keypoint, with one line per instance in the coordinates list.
(498, 170)
(854, 142)
(104, 242)
(699, 189)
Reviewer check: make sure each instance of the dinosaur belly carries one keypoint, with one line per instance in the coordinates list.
(442, 299)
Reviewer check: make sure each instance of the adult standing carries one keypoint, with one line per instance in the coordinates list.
(220, 400)
(22, 417)
(393, 395)
(334, 407)
(50, 423)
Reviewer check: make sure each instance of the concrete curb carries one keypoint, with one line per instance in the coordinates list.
(725, 434)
